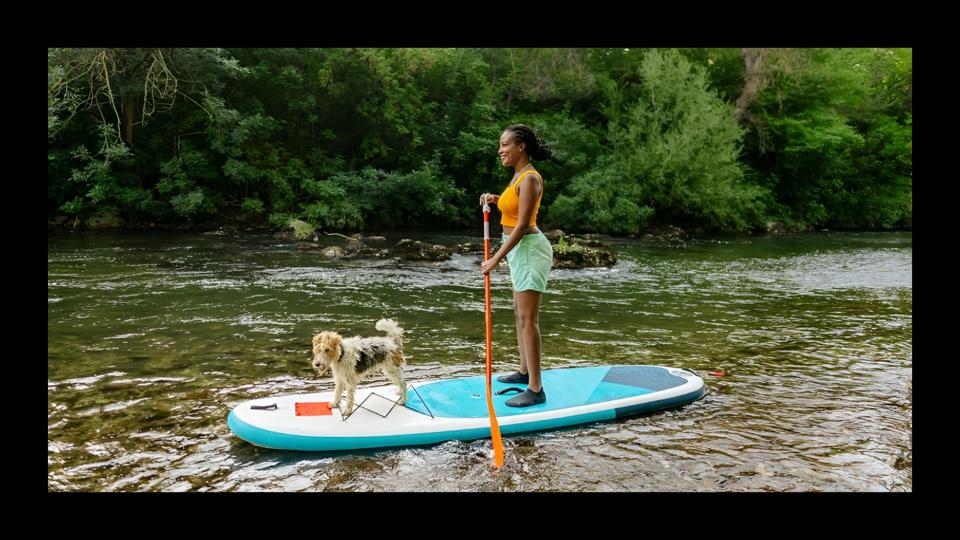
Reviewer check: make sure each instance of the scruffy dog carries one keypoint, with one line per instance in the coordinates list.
(351, 359)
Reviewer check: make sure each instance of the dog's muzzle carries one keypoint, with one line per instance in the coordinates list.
(319, 365)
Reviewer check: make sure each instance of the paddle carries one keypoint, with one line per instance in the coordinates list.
(494, 427)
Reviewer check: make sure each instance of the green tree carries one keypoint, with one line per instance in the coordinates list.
(702, 137)
(823, 126)
(674, 156)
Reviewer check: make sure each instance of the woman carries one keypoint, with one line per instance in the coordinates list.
(527, 251)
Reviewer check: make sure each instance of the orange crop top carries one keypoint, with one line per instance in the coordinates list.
(509, 203)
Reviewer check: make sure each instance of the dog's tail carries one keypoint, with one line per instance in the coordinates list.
(390, 327)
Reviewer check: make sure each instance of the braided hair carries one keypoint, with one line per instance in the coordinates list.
(536, 148)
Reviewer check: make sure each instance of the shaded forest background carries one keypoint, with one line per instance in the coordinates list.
(370, 139)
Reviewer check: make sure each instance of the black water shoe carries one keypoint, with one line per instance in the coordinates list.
(515, 377)
(528, 398)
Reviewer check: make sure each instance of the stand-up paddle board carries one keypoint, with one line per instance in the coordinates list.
(456, 409)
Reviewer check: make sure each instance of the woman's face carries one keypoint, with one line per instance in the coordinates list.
(510, 149)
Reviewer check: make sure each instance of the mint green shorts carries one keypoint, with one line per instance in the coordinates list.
(530, 262)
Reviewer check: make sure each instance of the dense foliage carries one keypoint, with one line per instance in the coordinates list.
(353, 139)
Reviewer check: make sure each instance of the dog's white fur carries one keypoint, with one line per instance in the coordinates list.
(352, 358)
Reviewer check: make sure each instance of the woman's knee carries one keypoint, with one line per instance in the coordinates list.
(528, 318)
(527, 311)
(520, 323)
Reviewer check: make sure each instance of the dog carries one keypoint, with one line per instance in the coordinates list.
(353, 358)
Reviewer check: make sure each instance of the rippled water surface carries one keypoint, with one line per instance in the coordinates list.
(153, 338)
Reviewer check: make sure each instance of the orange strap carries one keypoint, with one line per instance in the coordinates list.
(516, 185)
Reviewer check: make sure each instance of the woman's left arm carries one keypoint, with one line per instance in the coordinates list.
(529, 191)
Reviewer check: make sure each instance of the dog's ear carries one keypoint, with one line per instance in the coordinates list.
(333, 341)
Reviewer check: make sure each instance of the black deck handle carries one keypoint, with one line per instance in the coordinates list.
(270, 407)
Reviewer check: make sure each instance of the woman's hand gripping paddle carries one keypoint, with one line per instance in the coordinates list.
(494, 427)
